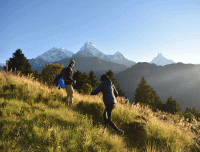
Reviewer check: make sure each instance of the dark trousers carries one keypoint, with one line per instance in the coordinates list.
(107, 116)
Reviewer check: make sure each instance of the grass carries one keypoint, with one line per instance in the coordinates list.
(34, 117)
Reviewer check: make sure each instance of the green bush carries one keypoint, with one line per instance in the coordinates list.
(86, 88)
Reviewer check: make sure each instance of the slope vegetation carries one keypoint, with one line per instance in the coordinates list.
(34, 117)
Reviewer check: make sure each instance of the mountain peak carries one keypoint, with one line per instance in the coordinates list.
(89, 44)
(89, 50)
(118, 53)
(160, 55)
(161, 60)
(55, 54)
(118, 56)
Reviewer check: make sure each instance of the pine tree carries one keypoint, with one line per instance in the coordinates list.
(145, 94)
(114, 81)
(86, 78)
(120, 92)
(93, 80)
(172, 106)
(187, 110)
(19, 63)
(110, 75)
(78, 76)
(195, 112)
(82, 82)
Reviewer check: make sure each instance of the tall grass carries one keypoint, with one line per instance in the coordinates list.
(34, 117)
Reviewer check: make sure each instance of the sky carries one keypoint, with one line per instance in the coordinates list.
(139, 29)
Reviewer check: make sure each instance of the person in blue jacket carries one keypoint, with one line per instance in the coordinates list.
(109, 93)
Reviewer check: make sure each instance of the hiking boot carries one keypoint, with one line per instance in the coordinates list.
(120, 132)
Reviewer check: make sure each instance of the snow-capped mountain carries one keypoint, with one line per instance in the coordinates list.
(89, 50)
(161, 60)
(55, 54)
(119, 58)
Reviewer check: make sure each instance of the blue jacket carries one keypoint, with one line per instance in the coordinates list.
(109, 92)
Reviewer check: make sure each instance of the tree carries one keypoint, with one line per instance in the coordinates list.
(110, 75)
(93, 80)
(187, 110)
(19, 63)
(78, 76)
(49, 72)
(145, 94)
(86, 78)
(120, 92)
(195, 112)
(114, 81)
(37, 76)
(172, 106)
(156, 102)
(82, 82)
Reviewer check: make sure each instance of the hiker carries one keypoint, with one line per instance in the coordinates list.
(67, 75)
(109, 93)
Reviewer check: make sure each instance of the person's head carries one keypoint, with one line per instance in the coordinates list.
(72, 63)
(104, 77)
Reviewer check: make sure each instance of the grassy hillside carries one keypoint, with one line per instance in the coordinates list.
(34, 117)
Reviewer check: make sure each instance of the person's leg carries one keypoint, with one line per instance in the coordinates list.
(109, 118)
(105, 118)
(71, 94)
(67, 90)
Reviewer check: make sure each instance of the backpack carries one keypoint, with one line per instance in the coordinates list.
(58, 80)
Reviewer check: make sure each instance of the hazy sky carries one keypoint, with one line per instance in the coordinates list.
(139, 29)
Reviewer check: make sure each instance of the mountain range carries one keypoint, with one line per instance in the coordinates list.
(88, 50)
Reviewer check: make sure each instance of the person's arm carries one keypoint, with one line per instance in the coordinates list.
(97, 90)
(115, 91)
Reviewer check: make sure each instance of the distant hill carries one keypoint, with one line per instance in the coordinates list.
(181, 81)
